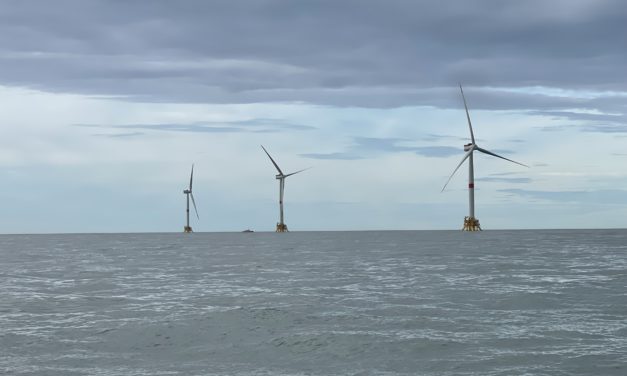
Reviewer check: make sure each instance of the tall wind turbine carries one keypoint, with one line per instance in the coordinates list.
(281, 226)
(471, 223)
(188, 193)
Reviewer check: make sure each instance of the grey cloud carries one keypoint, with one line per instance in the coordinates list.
(337, 156)
(120, 135)
(253, 126)
(606, 128)
(365, 147)
(506, 177)
(350, 53)
(587, 122)
(581, 116)
(437, 151)
(499, 174)
(593, 128)
(431, 137)
(368, 145)
(505, 180)
(609, 197)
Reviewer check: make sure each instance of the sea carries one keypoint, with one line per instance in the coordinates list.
(550, 302)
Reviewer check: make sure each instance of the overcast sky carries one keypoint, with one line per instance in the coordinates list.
(105, 105)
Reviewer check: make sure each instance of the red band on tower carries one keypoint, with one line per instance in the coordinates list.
(471, 185)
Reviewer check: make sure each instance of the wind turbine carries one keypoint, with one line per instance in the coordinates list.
(281, 226)
(188, 193)
(471, 223)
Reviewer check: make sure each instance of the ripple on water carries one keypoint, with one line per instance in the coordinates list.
(383, 303)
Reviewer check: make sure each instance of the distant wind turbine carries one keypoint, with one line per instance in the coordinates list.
(281, 226)
(470, 222)
(188, 193)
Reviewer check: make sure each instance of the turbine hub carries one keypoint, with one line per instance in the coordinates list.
(187, 191)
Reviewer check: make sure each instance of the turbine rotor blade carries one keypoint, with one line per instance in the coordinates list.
(194, 202)
(273, 162)
(472, 135)
(498, 156)
(458, 166)
(294, 173)
(191, 178)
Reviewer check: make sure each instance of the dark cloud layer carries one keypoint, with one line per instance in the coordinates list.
(344, 53)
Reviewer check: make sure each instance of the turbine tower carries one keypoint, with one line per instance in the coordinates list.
(188, 193)
(471, 223)
(281, 226)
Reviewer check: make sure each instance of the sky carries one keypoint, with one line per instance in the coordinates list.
(106, 104)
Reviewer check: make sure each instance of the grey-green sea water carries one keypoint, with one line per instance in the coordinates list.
(315, 303)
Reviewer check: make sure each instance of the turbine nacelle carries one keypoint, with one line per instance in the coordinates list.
(469, 147)
(280, 176)
(187, 191)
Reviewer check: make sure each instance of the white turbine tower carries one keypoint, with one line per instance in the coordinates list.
(188, 193)
(471, 223)
(281, 226)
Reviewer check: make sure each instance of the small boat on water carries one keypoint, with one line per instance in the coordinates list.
(248, 230)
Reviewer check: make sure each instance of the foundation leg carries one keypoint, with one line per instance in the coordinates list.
(471, 224)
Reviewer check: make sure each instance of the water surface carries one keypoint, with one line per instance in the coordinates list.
(315, 303)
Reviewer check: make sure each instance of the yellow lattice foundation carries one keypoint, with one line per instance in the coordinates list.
(281, 227)
(187, 229)
(471, 224)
